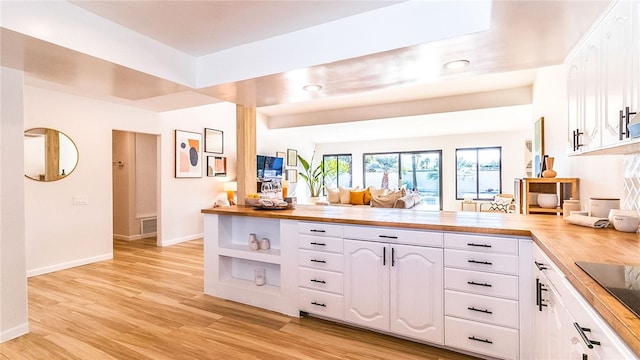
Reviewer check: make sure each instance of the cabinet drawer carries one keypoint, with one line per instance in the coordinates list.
(320, 229)
(477, 282)
(481, 243)
(486, 309)
(393, 235)
(320, 260)
(480, 338)
(320, 280)
(317, 243)
(481, 261)
(320, 303)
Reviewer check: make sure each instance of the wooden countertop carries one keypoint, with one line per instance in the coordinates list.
(562, 242)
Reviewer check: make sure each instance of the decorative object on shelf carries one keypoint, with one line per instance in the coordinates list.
(549, 172)
(253, 242)
(292, 157)
(260, 276)
(314, 177)
(538, 146)
(543, 165)
(213, 141)
(265, 244)
(548, 201)
(230, 187)
(187, 154)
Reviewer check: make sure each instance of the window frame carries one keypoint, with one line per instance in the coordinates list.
(324, 156)
(477, 174)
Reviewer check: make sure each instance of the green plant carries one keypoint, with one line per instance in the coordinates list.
(314, 177)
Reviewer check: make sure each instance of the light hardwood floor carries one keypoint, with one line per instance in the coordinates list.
(148, 303)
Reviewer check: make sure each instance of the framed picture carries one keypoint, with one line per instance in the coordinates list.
(216, 166)
(537, 151)
(281, 154)
(213, 141)
(292, 157)
(292, 175)
(188, 157)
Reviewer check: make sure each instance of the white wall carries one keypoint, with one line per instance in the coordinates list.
(600, 175)
(13, 280)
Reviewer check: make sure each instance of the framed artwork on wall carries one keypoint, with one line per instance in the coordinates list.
(188, 158)
(283, 155)
(292, 157)
(216, 166)
(213, 141)
(537, 151)
(292, 175)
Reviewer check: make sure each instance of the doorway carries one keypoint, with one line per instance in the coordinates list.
(135, 189)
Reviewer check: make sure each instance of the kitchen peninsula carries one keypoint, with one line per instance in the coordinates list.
(337, 236)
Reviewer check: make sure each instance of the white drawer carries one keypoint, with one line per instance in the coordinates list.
(480, 338)
(320, 280)
(393, 235)
(483, 283)
(320, 229)
(320, 260)
(320, 303)
(481, 261)
(482, 308)
(481, 243)
(317, 243)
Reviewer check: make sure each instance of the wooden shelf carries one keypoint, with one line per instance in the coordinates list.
(565, 188)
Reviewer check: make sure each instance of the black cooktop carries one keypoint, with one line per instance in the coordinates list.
(622, 281)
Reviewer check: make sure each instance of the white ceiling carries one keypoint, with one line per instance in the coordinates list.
(524, 35)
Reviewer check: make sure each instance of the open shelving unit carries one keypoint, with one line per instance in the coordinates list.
(565, 188)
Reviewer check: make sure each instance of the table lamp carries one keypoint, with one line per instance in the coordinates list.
(230, 187)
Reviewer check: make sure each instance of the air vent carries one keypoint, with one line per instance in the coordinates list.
(149, 227)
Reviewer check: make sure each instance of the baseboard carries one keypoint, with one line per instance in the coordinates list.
(14, 332)
(70, 264)
(133, 237)
(183, 239)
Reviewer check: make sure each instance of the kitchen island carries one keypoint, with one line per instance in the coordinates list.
(561, 242)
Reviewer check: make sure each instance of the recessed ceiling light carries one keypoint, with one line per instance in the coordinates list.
(312, 87)
(456, 64)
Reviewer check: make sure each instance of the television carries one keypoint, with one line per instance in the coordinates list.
(269, 167)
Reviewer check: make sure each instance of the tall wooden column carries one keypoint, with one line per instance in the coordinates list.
(245, 151)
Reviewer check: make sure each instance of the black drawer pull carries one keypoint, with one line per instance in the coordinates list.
(539, 300)
(318, 281)
(318, 231)
(481, 340)
(540, 266)
(317, 243)
(584, 337)
(479, 284)
(387, 237)
(318, 304)
(318, 261)
(486, 311)
(479, 245)
(479, 262)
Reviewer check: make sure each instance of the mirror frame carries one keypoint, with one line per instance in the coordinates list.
(52, 146)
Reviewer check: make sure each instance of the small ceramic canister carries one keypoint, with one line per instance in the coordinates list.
(265, 244)
(253, 242)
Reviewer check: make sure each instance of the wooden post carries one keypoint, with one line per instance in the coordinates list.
(245, 151)
(52, 155)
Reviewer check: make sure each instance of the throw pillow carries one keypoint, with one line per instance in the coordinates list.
(499, 207)
(387, 200)
(333, 196)
(367, 196)
(345, 194)
(356, 197)
(376, 191)
(503, 200)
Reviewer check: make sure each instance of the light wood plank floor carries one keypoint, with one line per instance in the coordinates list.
(148, 303)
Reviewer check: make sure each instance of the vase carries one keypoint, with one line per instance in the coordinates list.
(549, 172)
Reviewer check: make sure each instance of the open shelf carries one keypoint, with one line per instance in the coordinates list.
(271, 256)
(250, 285)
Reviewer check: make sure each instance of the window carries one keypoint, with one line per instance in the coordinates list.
(337, 170)
(478, 173)
(419, 171)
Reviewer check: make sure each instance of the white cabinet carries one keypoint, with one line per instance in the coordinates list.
(565, 326)
(395, 288)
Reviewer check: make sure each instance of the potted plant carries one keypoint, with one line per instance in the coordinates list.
(313, 176)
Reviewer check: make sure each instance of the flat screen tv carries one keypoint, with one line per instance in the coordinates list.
(269, 167)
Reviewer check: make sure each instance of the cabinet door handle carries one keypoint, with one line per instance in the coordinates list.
(478, 284)
(481, 340)
(387, 237)
(393, 255)
(318, 281)
(479, 245)
(318, 261)
(480, 262)
(539, 300)
(540, 266)
(384, 256)
(584, 337)
(624, 122)
(318, 304)
(486, 311)
(576, 139)
(318, 231)
(317, 243)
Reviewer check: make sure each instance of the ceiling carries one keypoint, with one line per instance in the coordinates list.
(524, 36)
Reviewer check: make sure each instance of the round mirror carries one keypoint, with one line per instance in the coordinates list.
(49, 154)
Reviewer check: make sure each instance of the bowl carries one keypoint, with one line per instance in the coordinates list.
(548, 201)
(614, 212)
(626, 223)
